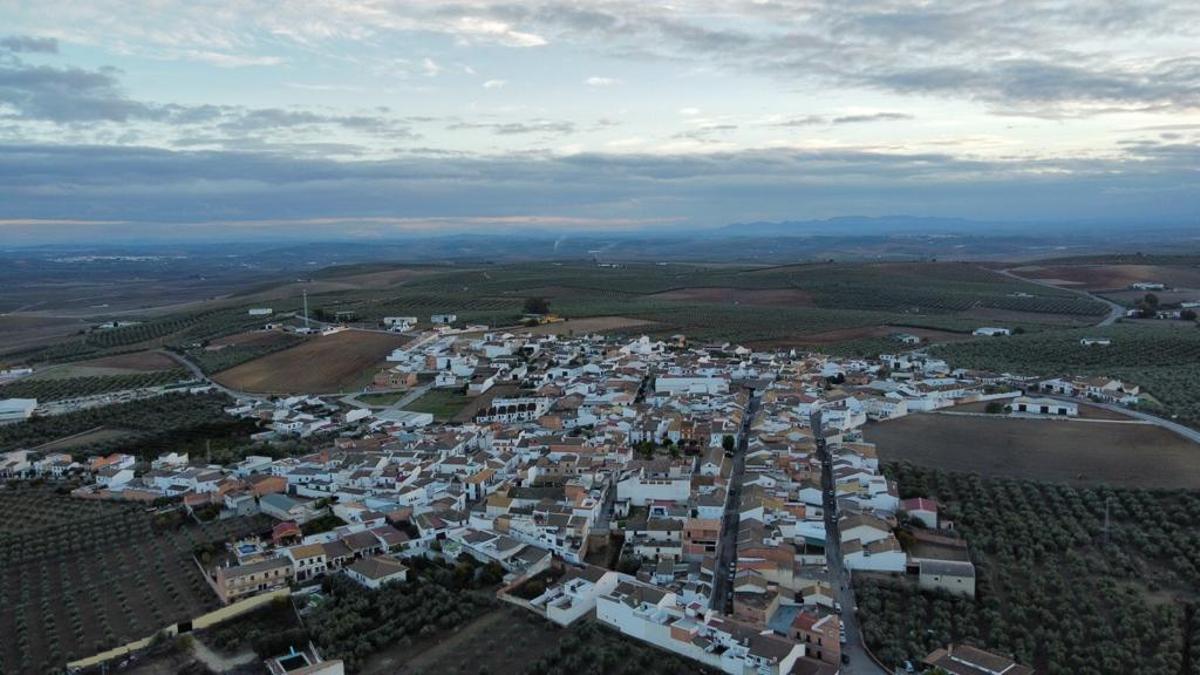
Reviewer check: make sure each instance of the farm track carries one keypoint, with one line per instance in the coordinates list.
(1115, 311)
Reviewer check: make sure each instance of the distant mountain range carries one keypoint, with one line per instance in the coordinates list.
(861, 226)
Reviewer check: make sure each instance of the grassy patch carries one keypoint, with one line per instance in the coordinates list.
(443, 404)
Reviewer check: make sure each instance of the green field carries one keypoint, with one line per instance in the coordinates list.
(811, 304)
(443, 404)
(383, 398)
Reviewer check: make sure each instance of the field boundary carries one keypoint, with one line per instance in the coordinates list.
(203, 621)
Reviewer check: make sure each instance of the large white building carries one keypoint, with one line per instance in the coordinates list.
(16, 409)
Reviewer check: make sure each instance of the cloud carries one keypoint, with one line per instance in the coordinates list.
(66, 95)
(222, 60)
(29, 43)
(821, 120)
(495, 84)
(601, 82)
(430, 67)
(157, 186)
(871, 117)
(533, 126)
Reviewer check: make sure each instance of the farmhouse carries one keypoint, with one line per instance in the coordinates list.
(443, 319)
(260, 311)
(968, 660)
(1044, 406)
(952, 576)
(1148, 286)
(376, 571)
(990, 331)
(923, 510)
(400, 323)
(1095, 342)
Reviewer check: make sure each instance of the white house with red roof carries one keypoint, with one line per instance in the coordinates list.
(922, 509)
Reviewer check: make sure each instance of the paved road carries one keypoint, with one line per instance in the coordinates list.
(200, 375)
(352, 399)
(1115, 311)
(839, 576)
(1187, 432)
(722, 599)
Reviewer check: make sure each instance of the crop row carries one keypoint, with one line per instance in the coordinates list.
(1064, 596)
(71, 387)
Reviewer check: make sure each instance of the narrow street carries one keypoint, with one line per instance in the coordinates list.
(839, 576)
(722, 598)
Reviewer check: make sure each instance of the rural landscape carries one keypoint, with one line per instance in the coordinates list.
(593, 337)
(184, 441)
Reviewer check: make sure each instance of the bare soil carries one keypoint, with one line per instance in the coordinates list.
(1082, 453)
(334, 363)
(771, 297)
(1098, 277)
(507, 639)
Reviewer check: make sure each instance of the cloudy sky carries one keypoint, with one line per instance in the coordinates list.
(377, 116)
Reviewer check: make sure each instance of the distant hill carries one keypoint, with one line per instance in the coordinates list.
(860, 226)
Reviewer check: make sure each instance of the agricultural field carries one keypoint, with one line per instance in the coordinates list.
(1133, 298)
(235, 350)
(78, 577)
(600, 324)
(448, 620)
(764, 305)
(19, 332)
(343, 361)
(1056, 596)
(1057, 451)
(1164, 361)
(57, 389)
(1100, 277)
(153, 426)
(729, 302)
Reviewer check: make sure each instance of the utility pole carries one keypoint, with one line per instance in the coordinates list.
(305, 291)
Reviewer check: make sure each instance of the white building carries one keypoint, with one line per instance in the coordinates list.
(260, 311)
(691, 384)
(377, 571)
(16, 409)
(1044, 406)
(880, 556)
(991, 331)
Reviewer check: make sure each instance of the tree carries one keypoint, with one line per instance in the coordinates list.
(728, 442)
(1188, 315)
(536, 305)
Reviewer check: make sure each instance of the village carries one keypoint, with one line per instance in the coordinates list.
(711, 500)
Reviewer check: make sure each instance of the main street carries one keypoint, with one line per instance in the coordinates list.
(839, 576)
(722, 598)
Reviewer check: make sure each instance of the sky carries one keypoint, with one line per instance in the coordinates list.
(367, 118)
